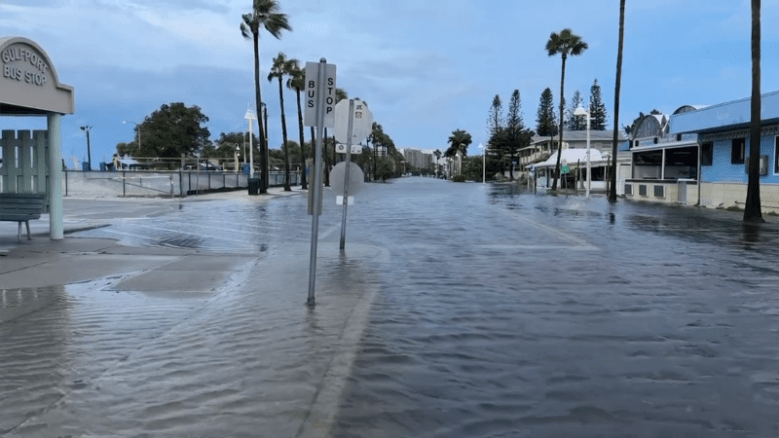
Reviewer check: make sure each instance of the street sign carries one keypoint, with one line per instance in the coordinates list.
(340, 148)
(313, 88)
(362, 124)
(338, 177)
(565, 169)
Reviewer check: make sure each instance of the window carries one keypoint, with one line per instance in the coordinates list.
(776, 154)
(707, 154)
(737, 151)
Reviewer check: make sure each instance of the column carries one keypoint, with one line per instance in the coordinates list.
(56, 231)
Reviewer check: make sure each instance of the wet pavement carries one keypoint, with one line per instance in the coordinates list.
(458, 310)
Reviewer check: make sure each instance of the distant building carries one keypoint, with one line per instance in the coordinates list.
(415, 158)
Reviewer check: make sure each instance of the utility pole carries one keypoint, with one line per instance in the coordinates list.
(86, 128)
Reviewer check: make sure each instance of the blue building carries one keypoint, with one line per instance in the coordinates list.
(723, 137)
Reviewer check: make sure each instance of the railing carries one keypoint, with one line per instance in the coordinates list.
(161, 183)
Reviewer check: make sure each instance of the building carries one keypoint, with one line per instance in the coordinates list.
(541, 156)
(664, 165)
(723, 134)
(703, 157)
(417, 159)
(541, 148)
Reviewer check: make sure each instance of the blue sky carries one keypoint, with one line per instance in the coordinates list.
(426, 68)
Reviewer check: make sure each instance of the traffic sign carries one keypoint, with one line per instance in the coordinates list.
(362, 123)
(340, 148)
(565, 169)
(312, 90)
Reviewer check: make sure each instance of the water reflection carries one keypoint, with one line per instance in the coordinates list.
(35, 331)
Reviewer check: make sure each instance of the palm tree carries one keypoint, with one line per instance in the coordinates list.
(282, 66)
(752, 209)
(297, 82)
(437, 154)
(459, 142)
(265, 14)
(565, 43)
(613, 176)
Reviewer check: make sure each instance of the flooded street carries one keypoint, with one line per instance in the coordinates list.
(457, 310)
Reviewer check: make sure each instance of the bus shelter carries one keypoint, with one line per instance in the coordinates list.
(32, 160)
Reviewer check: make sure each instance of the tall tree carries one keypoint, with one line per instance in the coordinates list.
(617, 86)
(752, 210)
(437, 154)
(564, 43)
(458, 142)
(264, 15)
(283, 66)
(517, 136)
(171, 131)
(495, 120)
(576, 123)
(597, 109)
(546, 120)
(297, 82)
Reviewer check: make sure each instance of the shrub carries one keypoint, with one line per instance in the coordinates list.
(458, 178)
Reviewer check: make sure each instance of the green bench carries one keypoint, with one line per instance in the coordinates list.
(21, 207)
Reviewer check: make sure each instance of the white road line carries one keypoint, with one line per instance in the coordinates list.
(561, 234)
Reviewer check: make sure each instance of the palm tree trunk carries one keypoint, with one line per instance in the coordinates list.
(613, 185)
(752, 209)
(258, 96)
(287, 187)
(375, 159)
(303, 183)
(562, 121)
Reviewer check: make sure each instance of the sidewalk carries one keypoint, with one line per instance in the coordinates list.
(101, 339)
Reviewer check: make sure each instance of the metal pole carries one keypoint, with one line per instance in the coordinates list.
(589, 171)
(251, 151)
(320, 121)
(350, 126)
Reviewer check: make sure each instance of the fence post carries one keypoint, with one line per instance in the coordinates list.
(66, 182)
(124, 185)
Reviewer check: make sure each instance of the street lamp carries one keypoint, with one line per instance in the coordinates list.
(137, 125)
(250, 116)
(87, 128)
(483, 163)
(583, 112)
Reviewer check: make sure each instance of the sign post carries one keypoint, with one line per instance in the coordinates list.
(320, 113)
(358, 123)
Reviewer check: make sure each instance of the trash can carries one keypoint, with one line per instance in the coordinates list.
(85, 167)
(102, 167)
(254, 186)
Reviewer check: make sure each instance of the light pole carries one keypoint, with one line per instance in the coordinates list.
(264, 109)
(250, 116)
(139, 133)
(483, 163)
(583, 112)
(87, 128)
